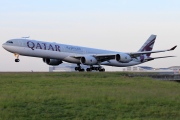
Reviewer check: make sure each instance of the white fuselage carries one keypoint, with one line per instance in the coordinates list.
(62, 52)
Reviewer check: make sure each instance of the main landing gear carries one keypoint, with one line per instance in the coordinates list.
(78, 68)
(99, 68)
(17, 57)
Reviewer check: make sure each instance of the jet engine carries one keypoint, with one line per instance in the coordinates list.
(88, 60)
(52, 62)
(123, 57)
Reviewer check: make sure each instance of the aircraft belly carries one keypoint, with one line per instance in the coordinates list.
(71, 60)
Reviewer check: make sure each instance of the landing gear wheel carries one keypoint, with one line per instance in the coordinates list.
(102, 70)
(17, 60)
(76, 68)
(17, 57)
(96, 68)
(81, 70)
(88, 69)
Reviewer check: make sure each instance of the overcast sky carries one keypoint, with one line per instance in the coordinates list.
(118, 25)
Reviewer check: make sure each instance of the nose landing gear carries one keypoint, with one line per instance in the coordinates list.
(17, 57)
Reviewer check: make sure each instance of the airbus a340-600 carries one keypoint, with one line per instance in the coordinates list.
(54, 54)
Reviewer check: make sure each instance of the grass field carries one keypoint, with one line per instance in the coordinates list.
(92, 96)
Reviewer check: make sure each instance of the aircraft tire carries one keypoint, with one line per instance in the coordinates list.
(17, 60)
(93, 68)
(76, 68)
(88, 69)
(102, 70)
(81, 70)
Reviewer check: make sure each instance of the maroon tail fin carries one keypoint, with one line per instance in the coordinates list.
(148, 45)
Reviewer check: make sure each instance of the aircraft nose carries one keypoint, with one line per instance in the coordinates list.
(4, 45)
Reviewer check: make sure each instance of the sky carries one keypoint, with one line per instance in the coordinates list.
(118, 25)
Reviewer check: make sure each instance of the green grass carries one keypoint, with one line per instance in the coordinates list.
(109, 96)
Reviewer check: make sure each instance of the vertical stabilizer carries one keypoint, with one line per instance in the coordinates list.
(148, 45)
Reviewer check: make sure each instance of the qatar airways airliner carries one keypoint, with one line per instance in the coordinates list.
(54, 54)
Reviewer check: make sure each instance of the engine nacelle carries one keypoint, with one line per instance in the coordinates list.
(122, 57)
(52, 62)
(88, 60)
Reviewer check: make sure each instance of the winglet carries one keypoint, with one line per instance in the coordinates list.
(173, 47)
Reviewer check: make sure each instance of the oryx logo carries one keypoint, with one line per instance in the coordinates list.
(149, 46)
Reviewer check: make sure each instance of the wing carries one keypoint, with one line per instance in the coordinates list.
(137, 54)
(149, 59)
(106, 57)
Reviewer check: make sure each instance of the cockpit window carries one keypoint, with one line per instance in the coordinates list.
(9, 42)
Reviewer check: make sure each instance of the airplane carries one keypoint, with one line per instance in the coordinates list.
(54, 54)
